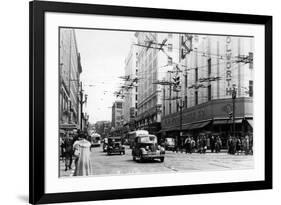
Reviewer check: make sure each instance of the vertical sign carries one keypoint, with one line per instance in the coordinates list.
(228, 66)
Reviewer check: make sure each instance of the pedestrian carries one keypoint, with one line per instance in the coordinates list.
(193, 145)
(238, 145)
(204, 144)
(212, 144)
(246, 145)
(62, 150)
(68, 143)
(218, 144)
(82, 152)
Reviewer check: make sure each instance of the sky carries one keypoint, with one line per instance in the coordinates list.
(103, 54)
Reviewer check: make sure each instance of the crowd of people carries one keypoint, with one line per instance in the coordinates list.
(76, 149)
(234, 145)
(239, 145)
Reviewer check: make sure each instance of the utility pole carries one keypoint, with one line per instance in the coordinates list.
(180, 104)
(81, 105)
(233, 109)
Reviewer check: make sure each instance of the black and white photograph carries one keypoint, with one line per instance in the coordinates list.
(135, 102)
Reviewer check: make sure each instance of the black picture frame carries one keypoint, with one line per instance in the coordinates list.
(37, 11)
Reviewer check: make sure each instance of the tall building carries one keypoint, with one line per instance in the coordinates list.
(117, 114)
(69, 76)
(131, 94)
(212, 68)
(153, 64)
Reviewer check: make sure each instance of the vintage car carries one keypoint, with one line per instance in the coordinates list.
(170, 144)
(115, 146)
(146, 148)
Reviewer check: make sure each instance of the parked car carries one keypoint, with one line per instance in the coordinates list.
(115, 146)
(170, 144)
(146, 148)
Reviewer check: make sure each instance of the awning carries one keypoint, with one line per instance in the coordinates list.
(68, 126)
(250, 122)
(222, 122)
(169, 129)
(199, 125)
(186, 126)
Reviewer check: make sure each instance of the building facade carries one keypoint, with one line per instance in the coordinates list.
(131, 94)
(117, 114)
(212, 70)
(69, 80)
(153, 64)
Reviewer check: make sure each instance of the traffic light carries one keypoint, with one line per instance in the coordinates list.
(176, 80)
(230, 115)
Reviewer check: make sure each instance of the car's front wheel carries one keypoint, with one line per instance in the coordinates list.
(162, 159)
(134, 158)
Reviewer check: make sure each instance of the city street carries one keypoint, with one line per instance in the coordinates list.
(174, 162)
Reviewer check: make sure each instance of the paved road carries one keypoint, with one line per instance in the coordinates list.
(174, 162)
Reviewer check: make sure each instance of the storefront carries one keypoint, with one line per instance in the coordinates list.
(211, 118)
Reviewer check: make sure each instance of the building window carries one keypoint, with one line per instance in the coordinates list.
(251, 59)
(209, 66)
(136, 105)
(170, 47)
(209, 92)
(178, 107)
(185, 101)
(136, 97)
(196, 74)
(170, 60)
(170, 108)
(250, 88)
(196, 97)
(136, 88)
(119, 105)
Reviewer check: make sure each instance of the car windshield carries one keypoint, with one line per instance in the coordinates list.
(144, 145)
(114, 141)
(170, 140)
(147, 139)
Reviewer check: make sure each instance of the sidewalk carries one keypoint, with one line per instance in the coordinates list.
(67, 173)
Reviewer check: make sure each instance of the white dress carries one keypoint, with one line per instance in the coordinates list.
(83, 163)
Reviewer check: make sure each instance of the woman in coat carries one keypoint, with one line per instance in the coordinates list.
(82, 152)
